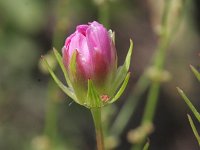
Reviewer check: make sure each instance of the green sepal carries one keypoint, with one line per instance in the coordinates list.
(122, 88)
(58, 82)
(188, 102)
(194, 129)
(146, 146)
(93, 99)
(196, 73)
(122, 70)
(59, 59)
(128, 57)
(72, 65)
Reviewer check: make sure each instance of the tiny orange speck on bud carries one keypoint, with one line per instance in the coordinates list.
(104, 97)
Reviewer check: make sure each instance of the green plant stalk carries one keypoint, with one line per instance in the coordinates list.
(152, 98)
(96, 114)
(151, 103)
(128, 108)
(103, 10)
(52, 104)
(50, 129)
(61, 22)
(158, 64)
(155, 85)
(149, 109)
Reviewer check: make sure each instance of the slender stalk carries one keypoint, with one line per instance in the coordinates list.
(103, 10)
(149, 109)
(128, 108)
(158, 61)
(96, 114)
(52, 105)
(50, 129)
(158, 64)
(151, 103)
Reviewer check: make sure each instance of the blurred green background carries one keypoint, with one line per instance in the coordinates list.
(36, 115)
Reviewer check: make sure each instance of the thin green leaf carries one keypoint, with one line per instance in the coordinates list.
(122, 70)
(122, 88)
(58, 82)
(120, 75)
(59, 59)
(93, 99)
(190, 105)
(194, 129)
(196, 73)
(128, 57)
(146, 146)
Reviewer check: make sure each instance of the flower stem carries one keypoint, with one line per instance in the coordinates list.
(158, 64)
(96, 114)
(129, 107)
(104, 14)
(52, 105)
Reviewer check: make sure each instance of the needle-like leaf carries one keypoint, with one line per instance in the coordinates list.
(58, 82)
(59, 59)
(194, 129)
(190, 105)
(122, 88)
(196, 73)
(122, 70)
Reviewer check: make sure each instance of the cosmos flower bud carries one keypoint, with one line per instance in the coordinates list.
(95, 55)
(89, 63)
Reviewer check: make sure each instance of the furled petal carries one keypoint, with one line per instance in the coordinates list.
(82, 29)
(78, 42)
(98, 40)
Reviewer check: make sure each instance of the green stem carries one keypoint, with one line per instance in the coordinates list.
(128, 108)
(151, 103)
(96, 114)
(51, 112)
(50, 129)
(158, 64)
(104, 15)
(149, 109)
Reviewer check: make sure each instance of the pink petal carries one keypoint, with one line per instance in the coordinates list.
(98, 40)
(82, 29)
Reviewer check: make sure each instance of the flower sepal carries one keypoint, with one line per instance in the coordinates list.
(67, 90)
(122, 71)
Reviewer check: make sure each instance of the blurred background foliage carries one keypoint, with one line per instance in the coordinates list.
(36, 115)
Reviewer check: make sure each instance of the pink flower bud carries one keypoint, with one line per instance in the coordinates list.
(90, 66)
(95, 53)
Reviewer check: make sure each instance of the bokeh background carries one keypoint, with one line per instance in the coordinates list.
(36, 115)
